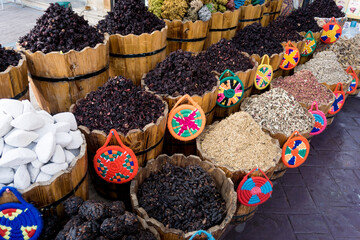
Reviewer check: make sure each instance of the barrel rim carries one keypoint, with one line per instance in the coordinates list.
(227, 11)
(183, 21)
(132, 131)
(104, 43)
(136, 35)
(67, 171)
(21, 62)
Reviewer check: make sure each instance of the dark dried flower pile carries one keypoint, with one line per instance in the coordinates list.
(8, 57)
(222, 56)
(119, 104)
(60, 29)
(130, 16)
(255, 39)
(182, 198)
(179, 74)
(98, 220)
(283, 31)
(324, 9)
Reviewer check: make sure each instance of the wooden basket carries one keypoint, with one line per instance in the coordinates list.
(249, 15)
(132, 55)
(145, 226)
(188, 36)
(49, 196)
(14, 82)
(247, 78)
(271, 10)
(60, 79)
(223, 184)
(222, 25)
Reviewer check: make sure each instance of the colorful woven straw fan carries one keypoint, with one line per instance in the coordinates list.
(253, 191)
(310, 45)
(295, 150)
(19, 221)
(115, 164)
(264, 73)
(231, 90)
(291, 57)
(339, 99)
(186, 121)
(208, 235)
(320, 119)
(331, 32)
(355, 81)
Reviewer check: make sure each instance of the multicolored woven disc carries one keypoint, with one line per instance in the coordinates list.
(310, 45)
(291, 57)
(331, 32)
(200, 232)
(355, 80)
(320, 120)
(264, 74)
(339, 100)
(295, 150)
(230, 93)
(19, 221)
(253, 191)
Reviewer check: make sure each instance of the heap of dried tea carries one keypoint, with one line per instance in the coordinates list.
(278, 112)
(238, 143)
(304, 87)
(182, 198)
(8, 57)
(348, 52)
(326, 68)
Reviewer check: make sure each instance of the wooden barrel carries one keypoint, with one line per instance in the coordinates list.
(242, 213)
(49, 196)
(14, 82)
(222, 25)
(188, 36)
(223, 184)
(247, 79)
(249, 15)
(277, 12)
(60, 79)
(132, 55)
(267, 9)
(145, 226)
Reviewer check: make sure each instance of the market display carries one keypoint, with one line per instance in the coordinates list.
(246, 144)
(347, 52)
(8, 58)
(179, 74)
(130, 17)
(277, 111)
(183, 198)
(60, 29)
(35, 146)
(119, 104)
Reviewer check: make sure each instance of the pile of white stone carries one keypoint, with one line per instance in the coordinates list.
(34, 146)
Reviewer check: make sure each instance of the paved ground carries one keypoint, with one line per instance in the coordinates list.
(321, 199)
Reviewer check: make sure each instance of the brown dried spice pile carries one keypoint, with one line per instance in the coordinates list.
(326, 68)
(238, 143)
(304, 87)
(348, 52)
(278, 112)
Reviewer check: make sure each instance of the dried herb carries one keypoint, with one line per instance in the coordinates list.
(179, 74)
(324, 9)
(51, 227)
(130, 17)
(283, 31)
(223, 55)
(247, 146)
(60, 29)
(182, 198)
(119, 104)
(8, 57)
(72, 205)
(304, 87)
(348, 52)
(93, 210)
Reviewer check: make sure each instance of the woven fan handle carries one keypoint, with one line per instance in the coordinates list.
(256, 169)
(314, 104)
(14, 191)
(111, 133)
(341, 87)
(350, 70)
(227, 71)
(290, 43)
(263, 59)
(295, 133)
(333, 20)
(208, 235)
(186, 97)
(311, 34)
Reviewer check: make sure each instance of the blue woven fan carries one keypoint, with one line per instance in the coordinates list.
(208, 235)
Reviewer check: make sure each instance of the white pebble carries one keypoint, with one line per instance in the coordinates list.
(5, 125)
(12, 107)
(44, 130)
(28, 107)
(62, 127)
(28, 121)
(66, 117)
(31, 146)
(16, 157)
(1, 145)
(7, 148)
(37, 163)
(63, 139)
(76, 140)
(6, 175)
(75, 152)
(43, 177)
(45, 148)
(46, 116)
(69, 156)
(59, 155)
(54, 168)
(22, 178)
(20, 138)
(34, 172)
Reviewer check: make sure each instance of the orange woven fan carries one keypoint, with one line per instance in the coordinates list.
(291, 57)
(295, 150)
